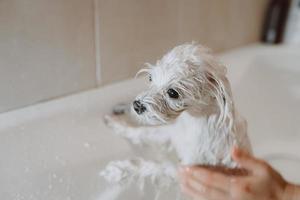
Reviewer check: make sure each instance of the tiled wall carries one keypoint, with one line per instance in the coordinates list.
(136, 31)
(46, 50)
(50, 48)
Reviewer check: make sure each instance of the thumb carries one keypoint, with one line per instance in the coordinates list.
(247, 161)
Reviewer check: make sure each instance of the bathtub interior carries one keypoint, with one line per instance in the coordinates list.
(55, 150)
(267, 93)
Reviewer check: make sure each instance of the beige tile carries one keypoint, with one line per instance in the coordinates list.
(133, 32)
(46, 50)
(48, 47)
(136, 31)
(221, 24)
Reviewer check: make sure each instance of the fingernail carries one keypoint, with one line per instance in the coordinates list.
(237, 152)
(180, 169)
(185, 169)
(188, 169)
(181, 173)
(199, 174)
(233, 180)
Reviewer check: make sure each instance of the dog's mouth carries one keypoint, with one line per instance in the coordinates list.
(152, 115)
(147, 116)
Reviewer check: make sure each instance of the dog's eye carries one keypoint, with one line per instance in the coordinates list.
(150, 78)
(173, 94)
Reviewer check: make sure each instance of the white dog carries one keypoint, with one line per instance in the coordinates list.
(188, 109)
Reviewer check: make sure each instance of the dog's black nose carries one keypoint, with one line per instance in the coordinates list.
(139, 107)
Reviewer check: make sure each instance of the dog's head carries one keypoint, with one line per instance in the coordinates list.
(186, 78)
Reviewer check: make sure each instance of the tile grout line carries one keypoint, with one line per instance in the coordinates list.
(97, 42)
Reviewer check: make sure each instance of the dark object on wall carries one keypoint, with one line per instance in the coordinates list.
(275, 21)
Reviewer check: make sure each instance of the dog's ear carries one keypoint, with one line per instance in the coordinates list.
(219, 88)
(145, 72)
(211, 79)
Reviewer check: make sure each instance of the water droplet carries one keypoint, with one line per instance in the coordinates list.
(26, 169)
(87, 145)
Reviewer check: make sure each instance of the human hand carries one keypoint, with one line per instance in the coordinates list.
(261, 182)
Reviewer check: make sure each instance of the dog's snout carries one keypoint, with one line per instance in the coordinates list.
(139, 107)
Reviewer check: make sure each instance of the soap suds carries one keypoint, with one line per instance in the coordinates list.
(111, 193)
(123, 174)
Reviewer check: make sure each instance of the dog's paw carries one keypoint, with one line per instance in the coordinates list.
(108, 120)
(115, 124)
(119, 171)
(112, 174)
(112, 121)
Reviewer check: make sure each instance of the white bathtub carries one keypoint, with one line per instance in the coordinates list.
(54, 150)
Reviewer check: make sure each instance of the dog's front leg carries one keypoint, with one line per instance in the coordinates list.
(142, 134)
(127, 172)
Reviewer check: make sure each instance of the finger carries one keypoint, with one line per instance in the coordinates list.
(245, 160)
(202, 190)
(191, 192)
(211, 178)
